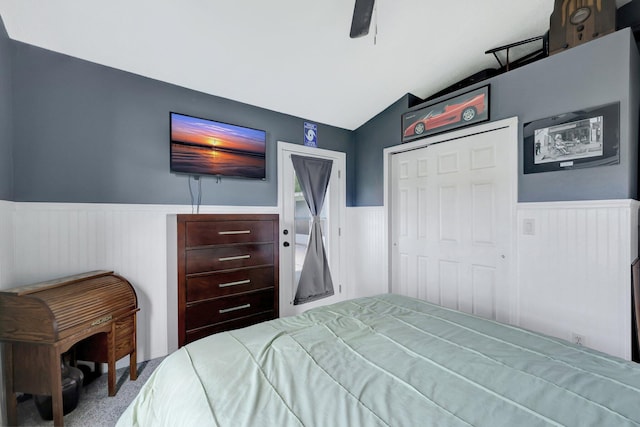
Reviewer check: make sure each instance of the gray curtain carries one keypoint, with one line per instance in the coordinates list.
(315, 279)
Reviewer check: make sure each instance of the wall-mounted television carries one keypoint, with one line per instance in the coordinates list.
(207, 147)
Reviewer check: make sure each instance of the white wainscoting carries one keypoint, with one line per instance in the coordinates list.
(574, 269)
(573, 272)
(59, 239)
(42, 241)
(6, 244)
(367, 257)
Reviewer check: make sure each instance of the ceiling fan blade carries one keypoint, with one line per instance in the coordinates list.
(361, 18)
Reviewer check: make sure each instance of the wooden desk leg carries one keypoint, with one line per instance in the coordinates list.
(56, 386)
(111, 359)
(10, 396)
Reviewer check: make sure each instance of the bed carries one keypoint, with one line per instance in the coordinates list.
(387, 360)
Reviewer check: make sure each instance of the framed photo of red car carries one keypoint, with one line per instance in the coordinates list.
(578, 139)
(461, 110)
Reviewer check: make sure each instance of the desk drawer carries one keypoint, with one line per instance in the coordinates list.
(225, 232)
(220, 284)
(125, 336)
(96, 347)
(229, 257)
(208, 312)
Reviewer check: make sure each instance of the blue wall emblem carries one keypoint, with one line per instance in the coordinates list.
(310, 134)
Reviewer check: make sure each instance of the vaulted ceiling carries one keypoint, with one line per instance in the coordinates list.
(291, 56)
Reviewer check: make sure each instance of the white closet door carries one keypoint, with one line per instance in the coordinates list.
(452, 210)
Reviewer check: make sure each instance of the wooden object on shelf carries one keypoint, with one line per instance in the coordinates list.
(574, 22)
(40, 322)
(227, 272)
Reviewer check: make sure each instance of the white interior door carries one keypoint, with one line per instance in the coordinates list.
(295, 220)
(452, 207)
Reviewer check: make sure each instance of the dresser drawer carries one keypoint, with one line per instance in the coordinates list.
(208, 312)
(228, 257)
(225, 232)
(195, 334)
(214, 285)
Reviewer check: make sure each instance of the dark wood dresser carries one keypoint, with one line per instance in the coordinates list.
(39, 322)
(227, 272)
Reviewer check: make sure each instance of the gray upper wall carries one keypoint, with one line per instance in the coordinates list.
(6, 117)
(82, 132)
(380, 132)
(596, 73)
(90, 133)
(602, 71)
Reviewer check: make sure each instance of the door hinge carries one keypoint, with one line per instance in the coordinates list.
(339, 231)
(339, 289)
(339, 173)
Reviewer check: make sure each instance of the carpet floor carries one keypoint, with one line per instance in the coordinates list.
(95, 408)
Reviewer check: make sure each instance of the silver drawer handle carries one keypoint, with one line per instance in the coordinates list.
(234, 232)
(240, 307)
(232, 258)
(240, 282)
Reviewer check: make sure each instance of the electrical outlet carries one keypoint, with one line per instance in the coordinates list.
(578, 339)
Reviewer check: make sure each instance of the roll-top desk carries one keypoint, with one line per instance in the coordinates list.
(40, 322)
(227, 272)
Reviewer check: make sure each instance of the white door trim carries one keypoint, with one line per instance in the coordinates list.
(512, 125)
(339, 276)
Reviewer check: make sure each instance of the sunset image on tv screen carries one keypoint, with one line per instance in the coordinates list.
(200, 146)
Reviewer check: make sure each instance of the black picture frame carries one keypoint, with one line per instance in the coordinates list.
(579, 139)
(453, 113)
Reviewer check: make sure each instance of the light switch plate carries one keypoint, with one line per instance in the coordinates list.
(529, 226)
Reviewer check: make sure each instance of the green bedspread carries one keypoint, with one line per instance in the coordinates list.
(387, 361)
